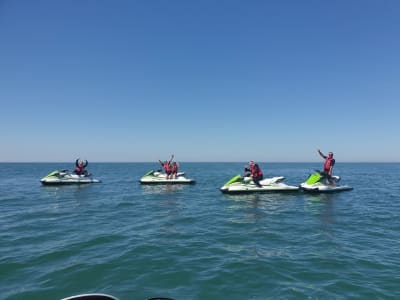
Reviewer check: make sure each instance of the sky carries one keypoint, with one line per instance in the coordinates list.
(209, 81)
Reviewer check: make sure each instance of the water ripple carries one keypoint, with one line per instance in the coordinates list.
(193, 242)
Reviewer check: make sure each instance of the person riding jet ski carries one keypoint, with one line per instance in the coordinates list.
(80, 167)
(328, 166)
(254, 171)
(167, 166)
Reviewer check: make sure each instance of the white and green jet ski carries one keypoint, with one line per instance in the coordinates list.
(156, 177)
(317, 183)
(60, 177)
(239, 184)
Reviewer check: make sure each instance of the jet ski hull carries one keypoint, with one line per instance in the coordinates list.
(68, 181)
(160, 178)
(239, 185)
(323, 188)
(255, 189)
(62, 178)
(316, 183)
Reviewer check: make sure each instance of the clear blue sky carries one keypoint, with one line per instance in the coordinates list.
(210, 80)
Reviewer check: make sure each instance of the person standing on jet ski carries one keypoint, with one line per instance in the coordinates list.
(328, 166)
(174, 170)
(80, 167)
(255, 173)
(167, 167)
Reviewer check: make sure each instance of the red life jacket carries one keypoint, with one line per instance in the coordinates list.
(166, 167)
(255, 172)
(79, 169)
(328, 163)
(174, 168)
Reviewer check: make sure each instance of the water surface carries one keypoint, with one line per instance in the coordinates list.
(192, 241)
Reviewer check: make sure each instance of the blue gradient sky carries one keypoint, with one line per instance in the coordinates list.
(230, 80)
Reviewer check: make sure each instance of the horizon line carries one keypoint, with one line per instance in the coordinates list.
(126, 162)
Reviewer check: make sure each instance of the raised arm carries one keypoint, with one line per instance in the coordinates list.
(321, 154)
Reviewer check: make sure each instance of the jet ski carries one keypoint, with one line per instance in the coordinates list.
(60, 177)
(239, 184)
(317, 183)
(157, 177)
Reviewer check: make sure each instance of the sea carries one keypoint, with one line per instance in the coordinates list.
(137, 241)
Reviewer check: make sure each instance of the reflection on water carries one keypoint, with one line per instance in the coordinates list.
(61, 190)
(253, 207)
(322, 205)
(162, 188)
(63, 196)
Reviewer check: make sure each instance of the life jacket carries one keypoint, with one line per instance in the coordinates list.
(328, 163)
(79, 169)
(255, 171)
(166, 167)
(174, 168)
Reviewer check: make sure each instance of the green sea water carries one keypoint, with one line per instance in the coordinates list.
(193, 242)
